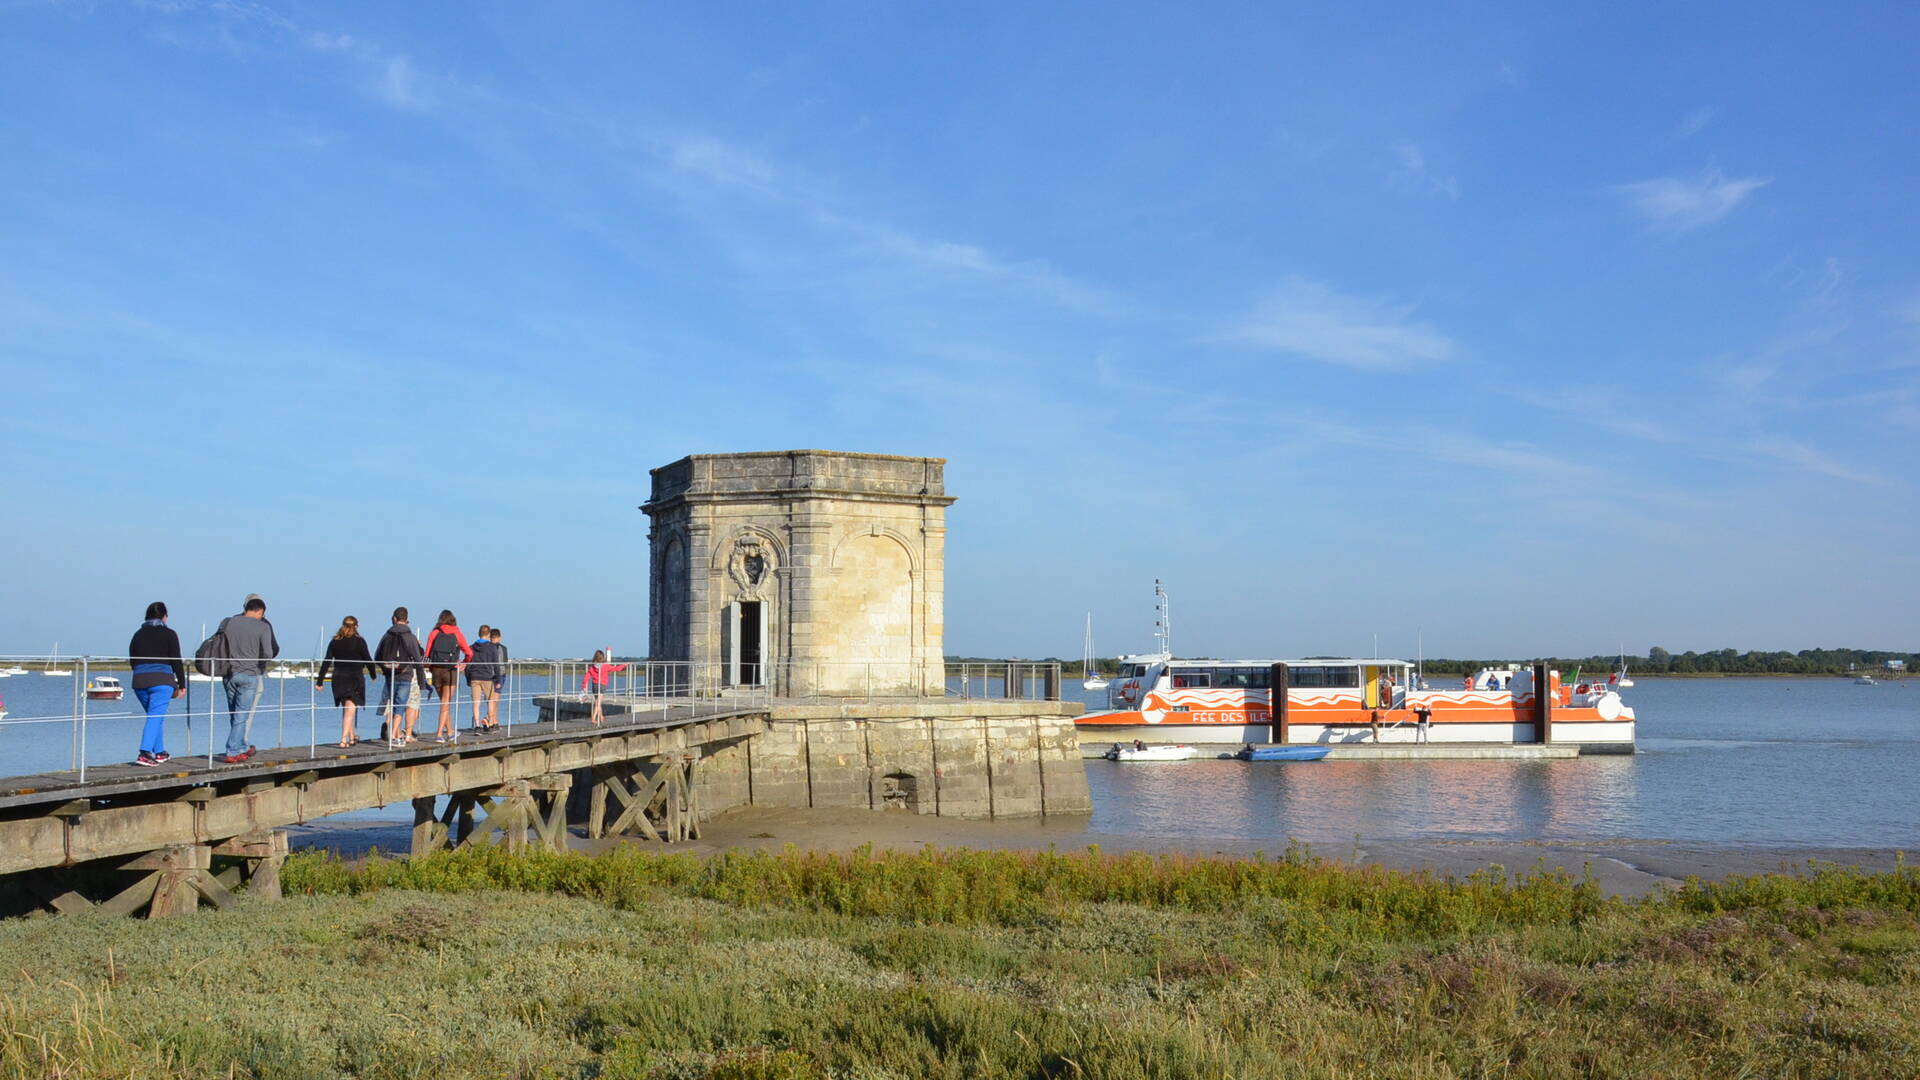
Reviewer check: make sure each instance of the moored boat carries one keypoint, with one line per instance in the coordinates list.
(1283, 753)
(104, 688)
(1149, 752)
(1158, 698)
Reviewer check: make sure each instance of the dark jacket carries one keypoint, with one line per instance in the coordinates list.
(156, 648)
(349, 660)
(400, 652)
(485, 665)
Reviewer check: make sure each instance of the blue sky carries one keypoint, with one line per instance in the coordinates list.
(1526, 328)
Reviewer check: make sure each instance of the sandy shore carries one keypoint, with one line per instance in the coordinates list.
(1622, 867)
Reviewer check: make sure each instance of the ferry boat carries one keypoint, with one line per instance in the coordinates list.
(104, 688)
(1161, 699)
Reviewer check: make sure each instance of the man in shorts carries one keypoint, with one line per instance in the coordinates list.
(399, 656)
(482, 676)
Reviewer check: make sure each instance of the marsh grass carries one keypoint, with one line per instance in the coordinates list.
(794, 965)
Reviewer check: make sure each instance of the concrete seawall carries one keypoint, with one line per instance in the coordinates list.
(962, 759)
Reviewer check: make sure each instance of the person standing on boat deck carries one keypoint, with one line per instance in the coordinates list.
(399, 654)
(351, 663)
(250, 644)
(482, 672)
(447, 653)
(159, 676)
(594, 682)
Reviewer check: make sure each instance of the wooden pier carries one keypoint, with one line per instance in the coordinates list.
(130, 839)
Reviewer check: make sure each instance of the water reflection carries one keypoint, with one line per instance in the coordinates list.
(1814, 762)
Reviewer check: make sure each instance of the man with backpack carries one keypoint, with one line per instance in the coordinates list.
(399, 655)
(246, 644)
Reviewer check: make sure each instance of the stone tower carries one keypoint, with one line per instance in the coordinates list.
(813, 571)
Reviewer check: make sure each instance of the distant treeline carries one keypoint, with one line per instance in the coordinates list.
(1658, 661)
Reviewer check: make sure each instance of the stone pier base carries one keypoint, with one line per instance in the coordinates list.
(967, 759)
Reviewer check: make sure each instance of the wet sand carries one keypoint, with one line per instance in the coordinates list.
(1621, 867)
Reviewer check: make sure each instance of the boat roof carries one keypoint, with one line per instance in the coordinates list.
(1311, 661)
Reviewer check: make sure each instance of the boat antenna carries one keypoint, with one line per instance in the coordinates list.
(1163, 619)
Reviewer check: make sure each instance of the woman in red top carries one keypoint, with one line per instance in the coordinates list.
(594, 682)
(447, 653)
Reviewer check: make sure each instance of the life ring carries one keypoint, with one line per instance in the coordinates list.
(1128, 691)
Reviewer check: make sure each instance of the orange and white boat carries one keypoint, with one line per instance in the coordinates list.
(1159, 698)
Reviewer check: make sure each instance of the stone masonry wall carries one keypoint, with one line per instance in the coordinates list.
(959, 759)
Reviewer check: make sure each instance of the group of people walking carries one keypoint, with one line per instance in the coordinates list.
(414, 670)
(245, 644)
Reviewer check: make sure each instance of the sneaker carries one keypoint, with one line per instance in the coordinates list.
(160, 757)
(146, 759)
(440, 740)
(236, 759)
(396, 744)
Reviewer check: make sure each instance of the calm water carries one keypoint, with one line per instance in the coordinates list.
(1788, 762)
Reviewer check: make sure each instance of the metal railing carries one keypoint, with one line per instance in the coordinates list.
(48, 725)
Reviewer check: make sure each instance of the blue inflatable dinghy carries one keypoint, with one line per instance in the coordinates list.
(1283, 753)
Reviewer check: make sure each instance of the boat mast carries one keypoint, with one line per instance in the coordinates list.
(1162, 619)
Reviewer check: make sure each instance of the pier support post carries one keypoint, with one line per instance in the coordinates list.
(257, 861)
(429, 835)
(1278, 698)
(1542, 705)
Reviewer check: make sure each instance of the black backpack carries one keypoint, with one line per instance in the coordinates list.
(446, 648)
(214, 658)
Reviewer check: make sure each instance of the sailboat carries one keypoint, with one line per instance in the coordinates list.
(53, 664)
(1089, 667)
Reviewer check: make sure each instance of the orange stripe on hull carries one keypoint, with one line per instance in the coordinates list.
(1563, 714)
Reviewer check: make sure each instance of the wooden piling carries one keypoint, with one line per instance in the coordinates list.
(1278, 696)
(1542, 705)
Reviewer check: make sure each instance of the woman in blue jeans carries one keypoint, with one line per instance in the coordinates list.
(158, 677)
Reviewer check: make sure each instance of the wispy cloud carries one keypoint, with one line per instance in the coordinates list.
(1693, 123)
(1684, 203)
(1304, 318)
(721, 165)
(1410, 172)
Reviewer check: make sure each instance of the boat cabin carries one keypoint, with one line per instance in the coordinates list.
(1383, 684)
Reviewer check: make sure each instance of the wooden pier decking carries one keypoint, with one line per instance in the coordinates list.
(130, 838)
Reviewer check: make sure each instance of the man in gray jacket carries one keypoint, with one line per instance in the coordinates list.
(250, 644)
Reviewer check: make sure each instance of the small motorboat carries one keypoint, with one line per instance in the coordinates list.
(104, 688)
(1144, 752)
(282, 671)
(1865, 680)
(197, 677)
(1282, 753)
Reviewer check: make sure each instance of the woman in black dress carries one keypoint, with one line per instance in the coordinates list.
(347, 655)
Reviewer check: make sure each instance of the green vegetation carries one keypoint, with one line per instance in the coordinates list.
(972, 964)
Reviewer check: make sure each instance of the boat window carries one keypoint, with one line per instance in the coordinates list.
(1251, 678)
(1316, 677)
(1134, 671)
(1185, 678)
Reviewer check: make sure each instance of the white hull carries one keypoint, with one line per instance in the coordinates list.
(1618, 734)
(1151, 753)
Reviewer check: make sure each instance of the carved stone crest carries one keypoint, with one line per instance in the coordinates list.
(749, 567)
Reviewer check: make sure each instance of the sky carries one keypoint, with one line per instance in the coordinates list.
(1485, 329)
